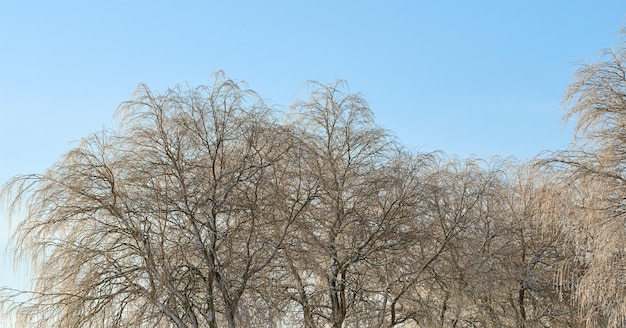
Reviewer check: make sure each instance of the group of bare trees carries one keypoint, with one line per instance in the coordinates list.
(204, 207)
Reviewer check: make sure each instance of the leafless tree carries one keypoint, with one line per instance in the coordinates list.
(204, 207)
(594, 171)
(539, 247)
(365, 197)
(493, 241)
(166, 220)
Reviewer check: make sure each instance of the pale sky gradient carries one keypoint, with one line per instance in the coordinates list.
(465, 77)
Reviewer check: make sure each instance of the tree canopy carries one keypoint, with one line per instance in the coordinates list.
(206, 207)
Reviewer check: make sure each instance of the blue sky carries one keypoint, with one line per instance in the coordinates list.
(466, 77)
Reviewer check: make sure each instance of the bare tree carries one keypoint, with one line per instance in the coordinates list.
(204, 207)
(594, 171)
(465, 203)
(489, 242)
(164, 221)
(363, 203)
(538, 246)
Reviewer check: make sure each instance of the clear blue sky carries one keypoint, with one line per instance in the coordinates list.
(465, 77)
